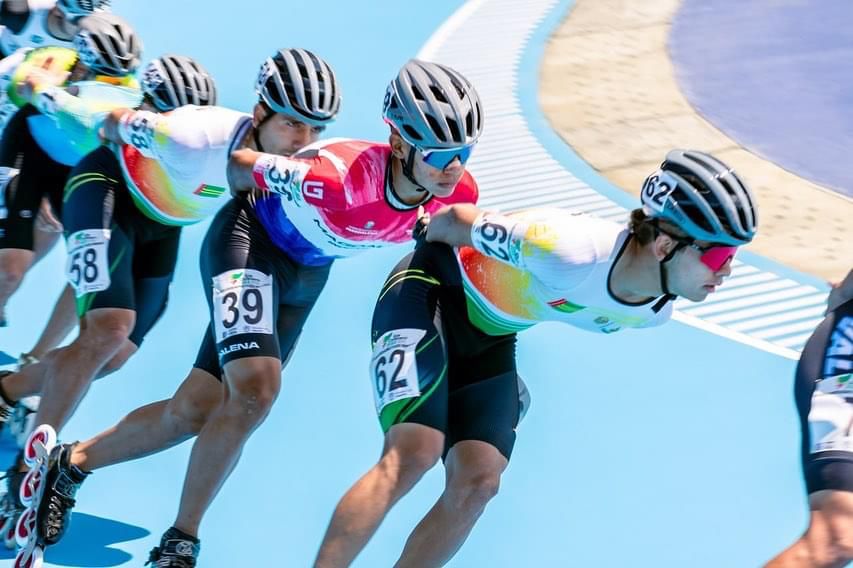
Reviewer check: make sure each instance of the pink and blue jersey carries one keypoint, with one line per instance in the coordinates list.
(333, 200)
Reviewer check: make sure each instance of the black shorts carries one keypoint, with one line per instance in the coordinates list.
(134, 267)
(40, 176)
(824, 395)
(431, 365)
(259, 298)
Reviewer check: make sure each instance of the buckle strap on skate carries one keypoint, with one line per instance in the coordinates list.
(175, 553)
(58, 508)
(66, 486)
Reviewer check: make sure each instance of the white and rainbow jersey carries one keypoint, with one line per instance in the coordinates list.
(548, 265)
(333, 199)
(174, 163)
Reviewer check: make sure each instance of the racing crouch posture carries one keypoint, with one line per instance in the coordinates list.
(443, 370)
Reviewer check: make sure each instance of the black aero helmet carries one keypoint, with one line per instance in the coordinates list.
(299, 83)
(172, 81)
(433, 107)
(107, 45)
(703, 197)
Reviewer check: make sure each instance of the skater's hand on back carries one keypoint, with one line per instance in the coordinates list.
(46, 221)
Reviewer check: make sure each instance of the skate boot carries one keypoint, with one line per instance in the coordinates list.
(177, 550)
(7, 407)
(37, 454)
(61, 485)
(10, 505)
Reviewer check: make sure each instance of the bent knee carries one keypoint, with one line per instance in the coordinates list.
(108, 327)
(253, 394)
(414, 461)
(190, 409)
(12, 274)
(412, 449)
(189, 417)
(118, 360)
(841, 530)
(480, 486)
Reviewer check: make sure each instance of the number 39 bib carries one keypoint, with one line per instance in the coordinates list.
(88, 268)
(242, 303)
(393, 366)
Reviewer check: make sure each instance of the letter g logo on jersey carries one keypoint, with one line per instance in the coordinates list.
(313, 189)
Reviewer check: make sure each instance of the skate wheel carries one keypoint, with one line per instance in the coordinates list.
(30, 490)
(30, 558)
(26, 528)
(39, 444)
(7, 529)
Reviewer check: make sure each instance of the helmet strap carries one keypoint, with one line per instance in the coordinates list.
(256, 131)
(408, 170)
(663, 276)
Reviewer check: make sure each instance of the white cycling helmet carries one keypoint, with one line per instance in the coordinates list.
(107, 45)
(172, 81)
(301, 84)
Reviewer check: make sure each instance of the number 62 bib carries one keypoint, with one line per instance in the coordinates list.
(393, 367)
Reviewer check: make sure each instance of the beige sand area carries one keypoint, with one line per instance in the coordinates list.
(609, 89)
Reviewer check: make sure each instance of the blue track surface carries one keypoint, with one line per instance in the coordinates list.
(663, 448)
(775, 76)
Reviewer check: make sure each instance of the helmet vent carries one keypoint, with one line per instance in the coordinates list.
(438, 94)
(436, 128)
(455, 134)
(413, 134)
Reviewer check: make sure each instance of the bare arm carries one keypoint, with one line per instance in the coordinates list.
(110, 127)
(240, 170)
(452, 224)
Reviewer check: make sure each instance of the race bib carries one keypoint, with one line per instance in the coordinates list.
(87, 268)
(841, 385)
(393, 367)
(242, 303)
(830, 423)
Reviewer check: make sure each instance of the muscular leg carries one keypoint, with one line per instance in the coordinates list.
(828, 541)
(74, 368)
(410, 451)
(31, 379)
(474, 470)
(253, 384)
(154, 427)
(63, 320)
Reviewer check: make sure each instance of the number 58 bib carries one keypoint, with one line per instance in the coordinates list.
(87, 267)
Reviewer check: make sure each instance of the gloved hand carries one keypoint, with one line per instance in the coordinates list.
(419, 231)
